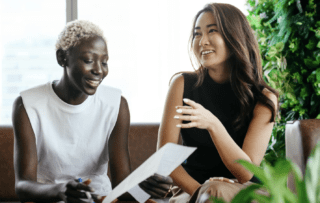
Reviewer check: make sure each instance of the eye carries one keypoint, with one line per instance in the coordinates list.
(196, 34)
(212, 30)
(87, 61)
(104, 63)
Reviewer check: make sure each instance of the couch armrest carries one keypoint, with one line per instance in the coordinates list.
(294, 149)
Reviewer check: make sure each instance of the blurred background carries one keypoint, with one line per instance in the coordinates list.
(147, 42)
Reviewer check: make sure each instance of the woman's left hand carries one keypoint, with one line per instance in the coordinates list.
(198, 115)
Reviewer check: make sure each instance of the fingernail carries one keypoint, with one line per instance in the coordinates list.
(88, 195)
(177, 107)
(92, 189)
(231, 181)
(176, 117)
(179, 126)
(186, 100)
(179, 110)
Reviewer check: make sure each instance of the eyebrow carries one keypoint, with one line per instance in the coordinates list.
(89, 52)
(210, 25)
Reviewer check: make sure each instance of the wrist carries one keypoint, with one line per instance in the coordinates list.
(60, 190)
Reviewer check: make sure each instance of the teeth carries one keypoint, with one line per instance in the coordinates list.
(94, 82)
(206, 52)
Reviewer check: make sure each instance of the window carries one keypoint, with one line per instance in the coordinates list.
(147, 42)
(29, 30)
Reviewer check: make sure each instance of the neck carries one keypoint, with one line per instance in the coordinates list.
(220, 74)
(68, 93)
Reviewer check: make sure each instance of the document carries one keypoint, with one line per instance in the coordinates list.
(163, 162)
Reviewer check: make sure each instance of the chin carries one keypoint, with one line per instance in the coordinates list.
(90, 91)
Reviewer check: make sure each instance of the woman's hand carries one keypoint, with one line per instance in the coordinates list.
(157, 186)
(222, 179)
(197, 114)
(74, 191)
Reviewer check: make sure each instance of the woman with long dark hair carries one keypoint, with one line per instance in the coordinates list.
(224, 108)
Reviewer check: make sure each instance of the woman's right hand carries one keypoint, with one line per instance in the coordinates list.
(74, 191)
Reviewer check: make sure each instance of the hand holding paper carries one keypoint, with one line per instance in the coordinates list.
(163, 162)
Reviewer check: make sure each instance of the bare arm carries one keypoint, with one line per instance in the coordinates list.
(25, 164)
(120, 166)
(25, 160)
(255, 143)
(168, 132)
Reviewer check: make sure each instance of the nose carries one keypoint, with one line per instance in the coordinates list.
(97, 69)
(204, 40)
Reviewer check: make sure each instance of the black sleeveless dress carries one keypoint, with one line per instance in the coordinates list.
(220, 99)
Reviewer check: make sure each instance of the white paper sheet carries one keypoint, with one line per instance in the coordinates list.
(163, 162)
(139, 194)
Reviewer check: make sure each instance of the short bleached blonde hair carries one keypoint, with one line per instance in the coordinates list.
(75, 31)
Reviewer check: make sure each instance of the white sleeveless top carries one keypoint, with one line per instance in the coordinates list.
(72, 140)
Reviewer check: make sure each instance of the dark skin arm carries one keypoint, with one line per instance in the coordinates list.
(119, 163)
(25, 165)
(157, 186)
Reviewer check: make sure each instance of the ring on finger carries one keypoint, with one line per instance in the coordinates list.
(168, 191)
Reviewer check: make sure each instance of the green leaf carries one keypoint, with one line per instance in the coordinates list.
(317, 33)
(312, 176)
(216, 200)
(280, 46)
(304, 93)
(318, 74)
(272, 51)
(311, 63)
(247, 195)
(257, 171)
(311, 44)
(318, 116)
(318, 45)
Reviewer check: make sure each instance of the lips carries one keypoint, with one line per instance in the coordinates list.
(206, 52)
(93, 83)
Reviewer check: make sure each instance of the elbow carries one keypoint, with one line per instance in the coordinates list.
(245, 178)
(19, 191)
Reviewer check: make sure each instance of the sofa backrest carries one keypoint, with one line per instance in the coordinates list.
(142, 144)
(301, 137)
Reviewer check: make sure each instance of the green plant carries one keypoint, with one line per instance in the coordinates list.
(274, 179)
(288, 33)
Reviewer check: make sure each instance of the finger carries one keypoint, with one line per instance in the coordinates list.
(75, 193)
(186, 118)
(221, 179)
(79, 186)
(187, 111)
(74, 200)
(163, 186)
(191, 103)
(96, 197)
(87, 182)
(164, 179)
(154, 192)
(188, 125)
(183, 107)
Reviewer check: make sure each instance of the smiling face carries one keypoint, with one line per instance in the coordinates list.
(208, 44)
(87, 65)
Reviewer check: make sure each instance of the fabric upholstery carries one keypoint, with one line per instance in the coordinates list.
(142, 144)
(301, 137)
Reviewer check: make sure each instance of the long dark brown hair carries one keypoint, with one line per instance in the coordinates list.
(246, 70)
